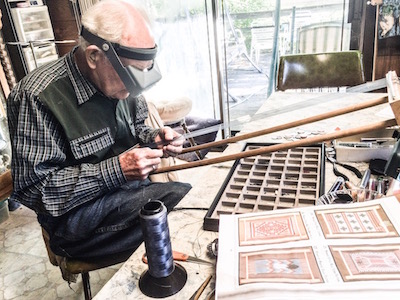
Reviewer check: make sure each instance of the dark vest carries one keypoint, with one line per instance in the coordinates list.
(97, 129)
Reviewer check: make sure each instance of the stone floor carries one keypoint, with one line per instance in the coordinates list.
(26, 272)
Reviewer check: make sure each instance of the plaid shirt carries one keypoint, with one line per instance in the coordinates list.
(44, 178)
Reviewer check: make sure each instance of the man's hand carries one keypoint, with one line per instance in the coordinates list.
(173, 144)
(139, 162)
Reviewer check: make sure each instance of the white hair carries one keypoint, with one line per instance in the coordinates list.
(110, 21)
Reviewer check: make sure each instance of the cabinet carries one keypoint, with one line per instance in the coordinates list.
(33, 26)
(32, 23)
(28, 34)
(40, 54)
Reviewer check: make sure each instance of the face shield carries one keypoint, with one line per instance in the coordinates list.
(134, 79)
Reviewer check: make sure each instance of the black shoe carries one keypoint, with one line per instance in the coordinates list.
(13, 205)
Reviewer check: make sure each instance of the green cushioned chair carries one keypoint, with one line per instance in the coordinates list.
(320, 70)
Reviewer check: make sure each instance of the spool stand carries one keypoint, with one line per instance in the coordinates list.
(164, 286)
(163, 278)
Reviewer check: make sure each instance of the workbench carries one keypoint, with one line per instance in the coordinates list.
(185, 225)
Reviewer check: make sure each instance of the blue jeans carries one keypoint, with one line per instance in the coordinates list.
(110, 224)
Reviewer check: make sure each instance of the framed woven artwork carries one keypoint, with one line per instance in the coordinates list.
(294, 265)
(363, 222)
(270, 229)
(367, 262)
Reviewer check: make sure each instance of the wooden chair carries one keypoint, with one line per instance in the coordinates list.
(320, 70)
(6, 187)
(71, 267)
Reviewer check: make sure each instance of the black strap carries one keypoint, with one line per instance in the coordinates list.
(128, 52)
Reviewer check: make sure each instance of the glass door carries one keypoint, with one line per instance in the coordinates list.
(249, 44)
(184, 33)
(223, 54)
(258, 32)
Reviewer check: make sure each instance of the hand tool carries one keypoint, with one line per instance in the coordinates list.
(184, 136)
(179, 256)
(200, 290)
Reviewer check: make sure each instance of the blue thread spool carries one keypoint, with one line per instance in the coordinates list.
(163, 277)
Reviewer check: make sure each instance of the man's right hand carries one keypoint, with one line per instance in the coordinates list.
(138, 163)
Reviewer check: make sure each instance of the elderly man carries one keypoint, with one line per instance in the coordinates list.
(75, 127)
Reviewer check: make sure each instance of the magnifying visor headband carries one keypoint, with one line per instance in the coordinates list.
(134, 79)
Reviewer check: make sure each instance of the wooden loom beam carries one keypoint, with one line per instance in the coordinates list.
(283, 146)
(323, 116)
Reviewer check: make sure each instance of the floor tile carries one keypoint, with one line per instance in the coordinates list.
(25, 270)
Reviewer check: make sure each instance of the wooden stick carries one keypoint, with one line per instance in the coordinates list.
(279, 147)
(334, 113)
(393, 88)
(375, 43)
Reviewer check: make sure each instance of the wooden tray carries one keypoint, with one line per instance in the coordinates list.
(282, 179)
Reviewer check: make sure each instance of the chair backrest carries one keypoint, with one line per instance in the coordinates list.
(324, 37)
(319, 70)
(262, 38)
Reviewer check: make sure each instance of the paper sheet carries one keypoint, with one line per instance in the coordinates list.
(322, 252)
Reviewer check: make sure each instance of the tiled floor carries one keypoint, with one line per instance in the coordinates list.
(26, 272)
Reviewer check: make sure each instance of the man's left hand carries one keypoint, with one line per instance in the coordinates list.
(173, 145)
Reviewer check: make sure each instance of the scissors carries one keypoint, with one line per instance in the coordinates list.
(179, 256)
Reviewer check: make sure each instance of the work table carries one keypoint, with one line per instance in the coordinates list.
(185, 224)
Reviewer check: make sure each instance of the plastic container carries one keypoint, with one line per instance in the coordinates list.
(364, 147)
